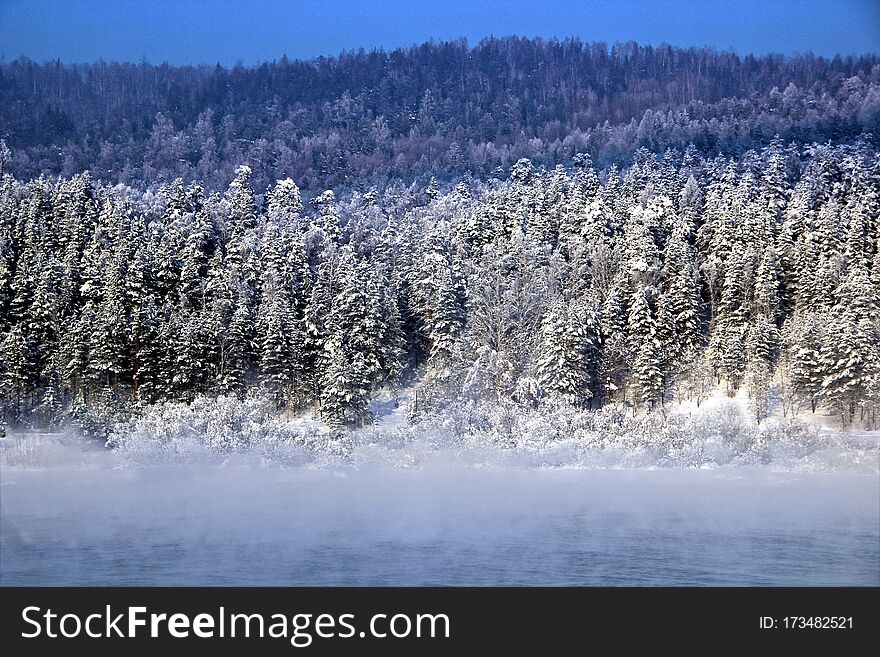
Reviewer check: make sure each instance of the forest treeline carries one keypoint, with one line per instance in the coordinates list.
(567, 286)
(363, 118)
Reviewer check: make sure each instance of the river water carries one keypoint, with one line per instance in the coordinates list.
(441, 525)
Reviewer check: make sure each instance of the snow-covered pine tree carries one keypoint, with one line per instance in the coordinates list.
(544, 221)
(849, 356)
(875, 268)
(279, 340)
(436, 297)
(199, 244)
(802, 339)
(731, 323)
(646, 374)
(679, 306)
(109, 339)
(564, 363)
(344, 393)
(234, 336)
(612, 324)
(241, 203)
(284, 205)
(350, 364)
(327, 220)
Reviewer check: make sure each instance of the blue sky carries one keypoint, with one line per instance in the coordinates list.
(226, 31)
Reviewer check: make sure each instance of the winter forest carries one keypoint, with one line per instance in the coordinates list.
(522, 228)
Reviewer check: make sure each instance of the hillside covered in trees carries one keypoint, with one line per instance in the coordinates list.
(525, 225)
(441, 109)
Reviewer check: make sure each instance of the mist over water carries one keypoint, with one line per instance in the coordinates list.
(442, 523)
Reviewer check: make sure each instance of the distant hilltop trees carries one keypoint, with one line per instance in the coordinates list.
(439, 109)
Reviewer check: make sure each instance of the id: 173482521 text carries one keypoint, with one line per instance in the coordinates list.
(807, 622)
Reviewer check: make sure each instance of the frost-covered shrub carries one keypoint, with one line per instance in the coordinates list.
(726, 426)
(613, 436)
(229, 429)
(211, 428)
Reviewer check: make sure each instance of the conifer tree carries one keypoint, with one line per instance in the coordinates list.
(646, 372)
